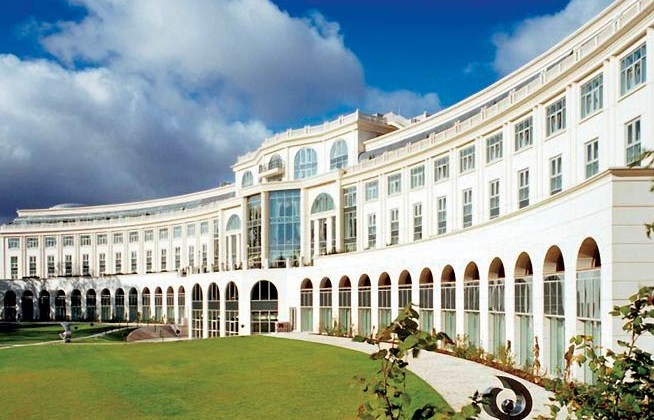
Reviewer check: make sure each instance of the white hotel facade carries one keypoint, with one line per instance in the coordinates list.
(512, 215)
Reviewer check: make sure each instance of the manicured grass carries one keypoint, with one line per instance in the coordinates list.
(26, 333)
(228, 378)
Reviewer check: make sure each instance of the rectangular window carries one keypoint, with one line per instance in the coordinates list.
(555, 117)
(441, 168)
(417, 221)
(68, 265)
(592, 158)
(178, 257)
(13, 243)
(32, 242)
(133, 262)
(494, 198)
(118, 263)
(633, 69)
(372, 230)
(177, 232)
(51, 265)
(148, 260)
(205, 252)
(523, 188)
(118, 238)
(350, 218)
(395, 226)
(633, 142)
(85, 265)
(592, 96)
(556, 175)
(102, 263)
(494, 146)
(133, 237)
(163, 234)
(442, 214)
(101, 239)
(148, 235)
(85, 240)
(32, 266)
(467, 208)
(191, 256)
(372, 190)
(50, 241)
(417, 177)
(204, 228)
(190, 230)
(523, 134)
(14, 268)
(69, 241)
(467, 159)
(394, 184)
(163, 259)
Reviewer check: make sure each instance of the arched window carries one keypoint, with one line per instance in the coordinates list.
(275, 162)
(247, 179)
(338, 155)
(322, 203)
(234, 223)
(306, 163)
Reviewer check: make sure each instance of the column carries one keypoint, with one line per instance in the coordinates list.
(265, 216)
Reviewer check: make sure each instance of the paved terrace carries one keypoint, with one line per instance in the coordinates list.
(454, 378)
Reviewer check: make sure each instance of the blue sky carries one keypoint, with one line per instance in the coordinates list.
(106, 101)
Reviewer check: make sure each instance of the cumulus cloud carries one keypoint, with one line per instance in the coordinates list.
(151, 98)
(265, 62)
(535, 35)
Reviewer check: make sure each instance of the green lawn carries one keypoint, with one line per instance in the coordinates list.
(26, 333)
(229, 378)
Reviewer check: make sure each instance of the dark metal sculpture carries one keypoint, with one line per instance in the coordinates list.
(66, 335)
(508, 409)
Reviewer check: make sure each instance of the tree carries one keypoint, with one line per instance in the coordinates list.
(624, 384)
(386, 394)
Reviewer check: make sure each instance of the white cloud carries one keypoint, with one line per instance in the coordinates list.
(153, 98)
(535, 35)
(403, 102)
(268, 64)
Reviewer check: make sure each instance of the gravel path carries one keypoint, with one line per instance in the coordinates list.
(455, 379)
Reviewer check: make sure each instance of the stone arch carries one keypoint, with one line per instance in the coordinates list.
(9, 302)
(76, 305)
(44, 305)
(345, 306)
(588, 257)
(197, 297)
(426, 290)
(105, 305)
(91, 305)
(231, 309)
(365, 296)
(145, 304)
(554, 262)
(133, 304)
(404, 289)
(213, 310)
(60, 306)
(263, 307)
(27, 305)
(158, 304)
(170, 304)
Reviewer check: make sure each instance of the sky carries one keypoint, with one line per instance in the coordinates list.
(109, 101)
